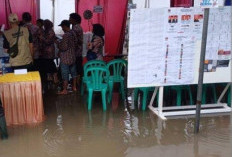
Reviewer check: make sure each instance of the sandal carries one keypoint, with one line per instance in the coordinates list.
(63, 92)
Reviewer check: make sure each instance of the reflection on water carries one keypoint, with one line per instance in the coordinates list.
(71, 131)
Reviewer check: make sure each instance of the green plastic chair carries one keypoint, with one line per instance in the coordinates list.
(89, 64)
(145, 91)
(98, 81)
(179, 90)
(205, 86)
(116, 68)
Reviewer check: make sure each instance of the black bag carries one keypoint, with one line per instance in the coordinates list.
(91, 55)
(13, 51)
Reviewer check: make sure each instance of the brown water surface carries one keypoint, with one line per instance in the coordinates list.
(71, 131)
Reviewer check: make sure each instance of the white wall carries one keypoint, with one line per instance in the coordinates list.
(46, 9)
(62, 10)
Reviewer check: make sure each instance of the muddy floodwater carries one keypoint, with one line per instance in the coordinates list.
(69, 130)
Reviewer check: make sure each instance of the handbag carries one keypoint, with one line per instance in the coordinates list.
(91, 55)
(13, 51)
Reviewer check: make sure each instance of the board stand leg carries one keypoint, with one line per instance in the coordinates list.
(153, 96)
(160, 103)
(223, 93)
(158, 111)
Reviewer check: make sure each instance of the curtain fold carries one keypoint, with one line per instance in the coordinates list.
(3, 12)
(182, 3)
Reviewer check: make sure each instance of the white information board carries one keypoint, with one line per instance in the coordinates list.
(165, 44)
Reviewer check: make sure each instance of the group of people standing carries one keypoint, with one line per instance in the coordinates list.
(36, 47)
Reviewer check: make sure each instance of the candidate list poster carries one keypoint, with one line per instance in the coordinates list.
(183, 27)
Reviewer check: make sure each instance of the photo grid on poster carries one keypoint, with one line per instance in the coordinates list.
(183, 29)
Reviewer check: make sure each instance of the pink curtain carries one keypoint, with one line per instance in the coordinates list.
(113, 19)
(3, 12)
(182, 3)
(18, 7)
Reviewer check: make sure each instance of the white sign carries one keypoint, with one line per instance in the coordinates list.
(20, 71)
(208, 3)
(98, 9)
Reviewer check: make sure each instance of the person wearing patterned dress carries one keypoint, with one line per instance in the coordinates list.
(67, 53)
(97, 42)
(40, 34)
(48, 51)
(75, 20)
(33, 29)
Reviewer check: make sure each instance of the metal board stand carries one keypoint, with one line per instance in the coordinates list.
(164, 112)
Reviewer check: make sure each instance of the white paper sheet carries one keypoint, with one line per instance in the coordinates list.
(219, 34)
(180, 41)
(145, 47)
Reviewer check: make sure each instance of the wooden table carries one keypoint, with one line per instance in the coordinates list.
(21, 97)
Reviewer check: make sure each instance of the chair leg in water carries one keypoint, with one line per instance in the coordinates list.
(122, 90)
(179, 98)
(190, 96)
(136, 91)
(3, 128)
(111, 85)
(145, 94)
(104, 99)
(82, 88)
(90, 99)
